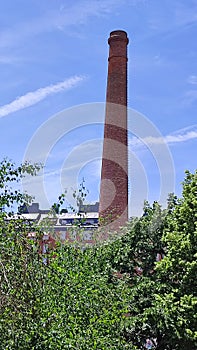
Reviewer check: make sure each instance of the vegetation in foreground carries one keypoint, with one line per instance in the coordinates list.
(113, 295)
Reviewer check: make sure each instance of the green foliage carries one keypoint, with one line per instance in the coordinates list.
(113, 295)
(178, 268)
(163, 300)
(21, 267)
(66, 304)
(9, 174)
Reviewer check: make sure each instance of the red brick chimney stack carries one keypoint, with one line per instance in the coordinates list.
(113, 205)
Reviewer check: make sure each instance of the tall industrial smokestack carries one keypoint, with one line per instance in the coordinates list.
(113, 207)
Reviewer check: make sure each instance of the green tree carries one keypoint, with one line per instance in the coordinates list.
(66, 304)
(162, 298)
(10, 174)
(113, 295)
(177, 271)
(21, 267)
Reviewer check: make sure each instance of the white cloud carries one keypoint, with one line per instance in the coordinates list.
(8, 59)
(185, 13)
(66, 16)
(192, 79)
(190, 97)
(182, 135)
(33, 97)
(179, 16)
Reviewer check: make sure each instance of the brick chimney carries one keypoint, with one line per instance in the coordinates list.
(113, 207)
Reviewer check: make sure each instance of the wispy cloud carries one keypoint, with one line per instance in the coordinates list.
(180, 16)
(64, 17)
(33, 97)
(8, 59)
(84, 158)
(182, 135)
(189, 98)
(192, 79)
(185, 13)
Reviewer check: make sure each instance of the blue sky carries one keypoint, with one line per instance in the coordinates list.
(53, 58)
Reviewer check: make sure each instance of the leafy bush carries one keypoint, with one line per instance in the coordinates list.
(113, 295)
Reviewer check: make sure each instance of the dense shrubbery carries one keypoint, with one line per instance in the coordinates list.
(113, 295)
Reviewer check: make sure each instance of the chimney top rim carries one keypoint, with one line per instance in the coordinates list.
(119, 35)
(118, 32)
